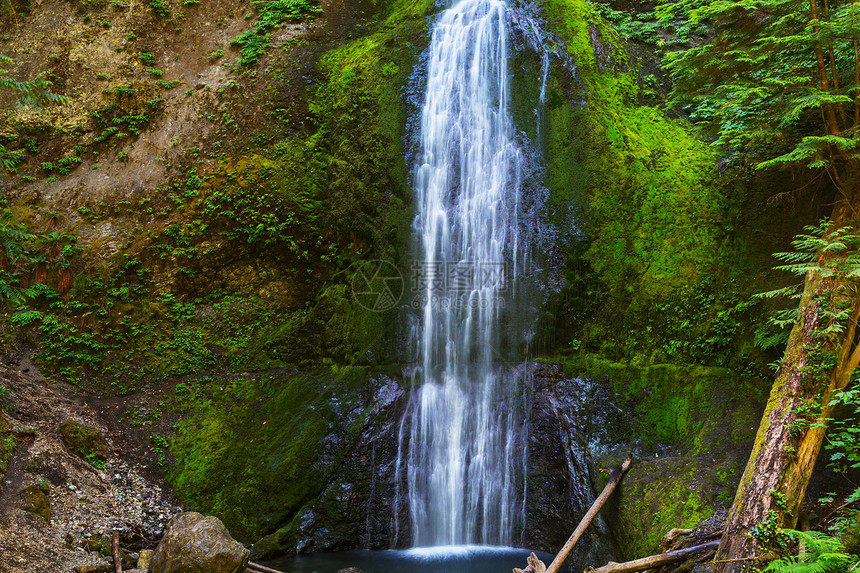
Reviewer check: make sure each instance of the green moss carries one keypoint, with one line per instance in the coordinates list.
(36, 500)
(641, 187)
(254, 453)
(695, 406)
(361, 113)
(85, 440)
(7, 448)
(660, 494)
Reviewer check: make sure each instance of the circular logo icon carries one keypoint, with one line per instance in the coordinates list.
(377, 286)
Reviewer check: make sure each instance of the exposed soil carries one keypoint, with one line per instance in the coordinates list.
(86, 504)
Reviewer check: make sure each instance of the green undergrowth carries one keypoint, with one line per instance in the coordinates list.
(125, 112)
(119, 325)
(660, 268)
(255, 452)
(272, 13)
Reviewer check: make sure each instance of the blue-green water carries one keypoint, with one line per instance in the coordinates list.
(444, 559)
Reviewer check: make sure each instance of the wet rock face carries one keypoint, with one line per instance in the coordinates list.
(357, 506)
(194, 543)
(566, 427)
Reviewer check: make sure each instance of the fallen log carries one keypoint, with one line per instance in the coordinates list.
(114, 545)
(672, 540)
(614, 477)
(101, 568)
(654, 560)
(261, 568)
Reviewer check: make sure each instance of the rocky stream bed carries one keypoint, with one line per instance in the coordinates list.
(57, 510)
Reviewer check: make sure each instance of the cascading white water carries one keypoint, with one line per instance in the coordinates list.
(462, 440)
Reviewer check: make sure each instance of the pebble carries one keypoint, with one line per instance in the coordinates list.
(131, 501)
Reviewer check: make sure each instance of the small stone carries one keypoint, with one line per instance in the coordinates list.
(145, 559)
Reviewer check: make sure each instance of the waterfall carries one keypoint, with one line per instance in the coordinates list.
(462, 439)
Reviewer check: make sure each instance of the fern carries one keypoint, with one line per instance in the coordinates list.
(272, 14)
(823, 554)
(31, 94)
(844, 242)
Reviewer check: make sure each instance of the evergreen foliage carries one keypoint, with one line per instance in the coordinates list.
(779, 82)
(272, 14)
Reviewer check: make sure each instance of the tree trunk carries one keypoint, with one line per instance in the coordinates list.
(791, 432)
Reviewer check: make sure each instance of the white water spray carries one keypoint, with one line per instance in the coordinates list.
(462, 442)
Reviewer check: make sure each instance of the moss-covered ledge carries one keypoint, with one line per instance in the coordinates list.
(690, 428)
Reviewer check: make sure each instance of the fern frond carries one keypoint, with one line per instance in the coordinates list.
(824, 554)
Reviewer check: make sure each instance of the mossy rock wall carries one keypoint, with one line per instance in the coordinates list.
(661, 251)
(287, 451)
(212, 252)
(689, 429)
(658, 249)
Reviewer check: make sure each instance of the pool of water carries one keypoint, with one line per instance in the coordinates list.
(443, 559)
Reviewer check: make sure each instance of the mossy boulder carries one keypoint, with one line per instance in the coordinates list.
(84, 439)
(659, 494)
(851, 538)
(281, 541)
(37, 501)
(289, 454)
(197, 544)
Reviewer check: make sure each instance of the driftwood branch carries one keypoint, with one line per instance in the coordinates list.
(535, 565)
(101, 568)
(114, 545)
(614, 477)
(261, 568)
(672, 540)
(655, 560)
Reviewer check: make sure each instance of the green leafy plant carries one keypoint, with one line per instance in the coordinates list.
(26, 317)
(95, 462)
(844, 241)
(160, 7)
(822, 554)
(33, 93)
(272, 13)
(147, 57)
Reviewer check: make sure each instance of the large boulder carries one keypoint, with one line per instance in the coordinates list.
(84, 439)
(197, 544)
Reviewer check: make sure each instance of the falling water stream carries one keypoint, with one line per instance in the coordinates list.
(462, 442)
(462, 454)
